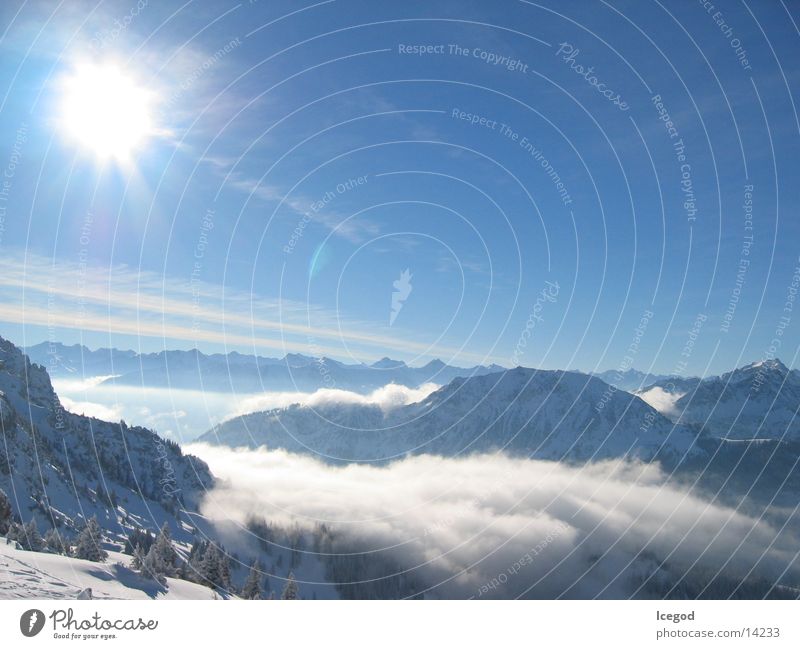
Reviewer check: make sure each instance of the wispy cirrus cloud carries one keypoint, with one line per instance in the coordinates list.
(351, 227)
(35, 290)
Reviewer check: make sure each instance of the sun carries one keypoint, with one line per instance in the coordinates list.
(105, 111)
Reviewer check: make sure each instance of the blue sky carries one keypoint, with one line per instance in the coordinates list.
(304, 155)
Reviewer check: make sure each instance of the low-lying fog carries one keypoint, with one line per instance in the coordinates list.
(184, 415)
(491, 526)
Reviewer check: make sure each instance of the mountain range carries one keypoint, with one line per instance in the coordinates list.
(238, 373)
(687, 425)
(757, 401)
(552, 415)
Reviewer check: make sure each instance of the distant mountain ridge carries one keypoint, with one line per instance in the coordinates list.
(552, 415)
(756, 401)
(235, 372)
(630, 379)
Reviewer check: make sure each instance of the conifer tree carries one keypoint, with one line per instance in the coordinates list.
(224, 569)
(5, 512)
(137, 563)
(31, 539)
(252, 586)
(54, 542)
(154, 566)
(15, 532)
(139, 537)
(291, 589)
(193, 568)
(88, 545)
(167, 557)
(210, 568)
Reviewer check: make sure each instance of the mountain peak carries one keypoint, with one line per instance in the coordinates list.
(30, 379)
(758, 372)
(387, 363)
(10, 354)
(773, 364)
(297, 360)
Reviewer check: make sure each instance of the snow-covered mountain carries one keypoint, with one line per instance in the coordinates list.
(62, 468)
(235, 372)
(757, 401)
(552, 415)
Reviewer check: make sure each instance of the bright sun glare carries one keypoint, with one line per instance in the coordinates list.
(104, 110)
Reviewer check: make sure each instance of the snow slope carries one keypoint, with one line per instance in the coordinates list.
(37, 575)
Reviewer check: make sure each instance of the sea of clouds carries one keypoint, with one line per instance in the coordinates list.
(492, 526)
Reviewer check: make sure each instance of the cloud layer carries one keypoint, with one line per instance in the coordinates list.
(661, 400)
(389, 396)
(186, 414)
(491, 526)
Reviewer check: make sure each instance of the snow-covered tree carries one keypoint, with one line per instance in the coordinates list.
(197, 550)
(214, 568)
(138, 537)
(252, 585)
(137, 563)
(55, 542)
(291, 589)
(88, 546)
(167, 555)
(224, 569)
(153, 565)
(26, 535)
(192, 569)
(31, 539)
(210, 567)
(6, 512)
(14, 532)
